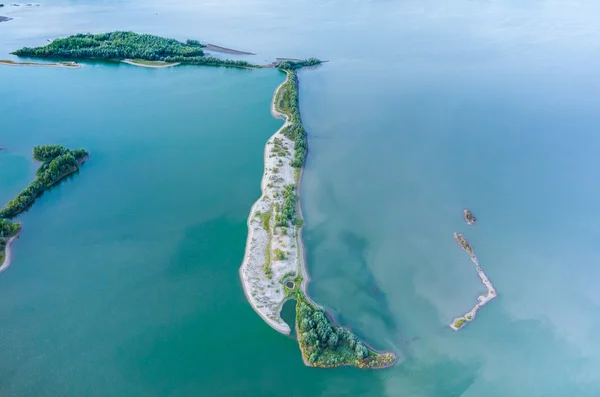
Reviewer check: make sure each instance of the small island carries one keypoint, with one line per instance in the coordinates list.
(460, 322)
(57, 163)
(469, 217)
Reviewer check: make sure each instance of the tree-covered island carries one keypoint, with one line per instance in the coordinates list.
(57, 163)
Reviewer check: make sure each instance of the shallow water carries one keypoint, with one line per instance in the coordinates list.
(125, 278)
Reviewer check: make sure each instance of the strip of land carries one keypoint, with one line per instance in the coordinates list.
(70, 65)
(150, 64)
(273, 269)
(460, 322)
(216, 48)
(57, 163)
(4, 19)
(6, 253)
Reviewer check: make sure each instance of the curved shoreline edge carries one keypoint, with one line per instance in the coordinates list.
(8, 252)
(156, 65)
(268, 236)
(250, 267)
(65, 65)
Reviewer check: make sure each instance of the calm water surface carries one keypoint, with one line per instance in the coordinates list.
(125, 279)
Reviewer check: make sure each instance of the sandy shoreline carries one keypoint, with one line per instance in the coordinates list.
(166, 65)
(52, 65)
(8, 252)
(216, 48)
(268, 303)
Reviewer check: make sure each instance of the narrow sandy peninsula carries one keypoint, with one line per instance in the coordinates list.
(68, 65)
(6, 252)
(150, 64)
(273, 269)
(460, 322)
(263, 271)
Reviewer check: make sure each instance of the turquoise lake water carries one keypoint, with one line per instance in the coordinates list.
(125, 279)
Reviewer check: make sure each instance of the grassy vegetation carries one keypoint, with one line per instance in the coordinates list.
(279, 254)
(267, 265)
(266, 220)
(460, 322)
(286, 276)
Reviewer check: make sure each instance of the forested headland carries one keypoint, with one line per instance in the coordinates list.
(57, 162)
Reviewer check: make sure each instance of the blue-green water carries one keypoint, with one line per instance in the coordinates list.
(125, 280)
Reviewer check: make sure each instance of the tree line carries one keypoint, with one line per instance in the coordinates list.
(288, 210)
(58, 162)
(8, 229)
(295, 131)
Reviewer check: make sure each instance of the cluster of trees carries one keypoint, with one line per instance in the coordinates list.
(288, 210)
(48, 152)
(194, 43)
(297, 133)
(292, 65)
(116, 45)
(8, 229)
(58, 163)
(324, 344)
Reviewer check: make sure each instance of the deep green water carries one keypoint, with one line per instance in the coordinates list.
(125, 279)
